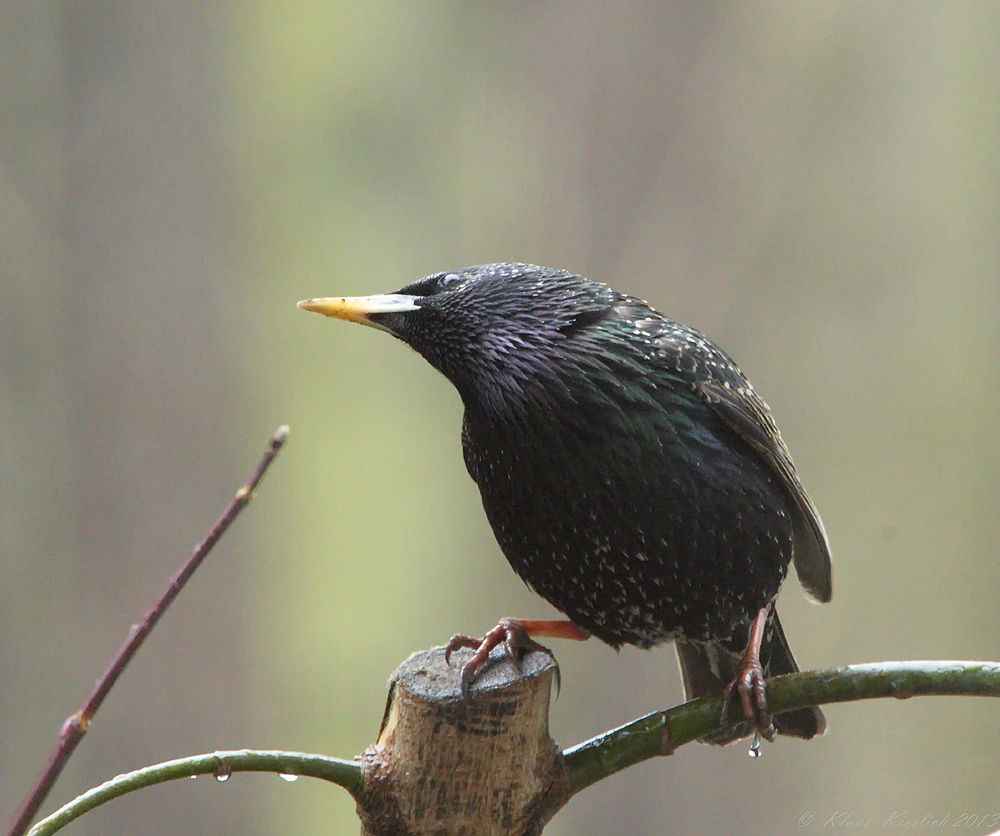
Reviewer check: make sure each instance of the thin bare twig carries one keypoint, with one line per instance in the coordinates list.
(76, 725)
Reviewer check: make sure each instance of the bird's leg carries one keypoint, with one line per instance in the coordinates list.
(516, 636)
(749, 682)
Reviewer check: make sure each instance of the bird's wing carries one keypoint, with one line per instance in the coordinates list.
(746, 414)
(700, 364)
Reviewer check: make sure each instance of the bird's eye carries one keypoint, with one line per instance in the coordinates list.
(432, 285)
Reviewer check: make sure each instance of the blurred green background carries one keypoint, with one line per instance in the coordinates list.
(817, 187)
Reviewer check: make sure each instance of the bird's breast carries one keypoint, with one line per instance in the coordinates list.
(640, 526)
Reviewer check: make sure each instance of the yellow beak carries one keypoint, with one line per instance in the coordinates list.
(360, 308)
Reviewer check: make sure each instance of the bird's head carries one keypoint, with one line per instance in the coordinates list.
(496, 330)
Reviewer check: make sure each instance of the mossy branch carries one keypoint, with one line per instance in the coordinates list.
(659, 733)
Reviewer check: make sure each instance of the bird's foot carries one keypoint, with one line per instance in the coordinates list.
(749, 684)
(515, 636)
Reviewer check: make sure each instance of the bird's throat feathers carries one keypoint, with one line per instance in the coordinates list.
(505, 352)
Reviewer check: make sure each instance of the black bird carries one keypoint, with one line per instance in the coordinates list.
(631, 474)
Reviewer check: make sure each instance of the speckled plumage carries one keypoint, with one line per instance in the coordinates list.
(631, 474)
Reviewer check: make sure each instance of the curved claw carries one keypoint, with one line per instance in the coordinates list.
(515, 643)
(468, 676)
(457, 641)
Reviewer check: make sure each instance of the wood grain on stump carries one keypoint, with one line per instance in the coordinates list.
(447, 765)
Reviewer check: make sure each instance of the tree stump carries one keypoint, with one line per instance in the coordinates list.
(447, 765)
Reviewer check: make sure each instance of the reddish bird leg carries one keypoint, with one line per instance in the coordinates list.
(749, 683)
(515, 635)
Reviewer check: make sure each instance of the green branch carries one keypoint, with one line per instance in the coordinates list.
(656, 734)
(661, 732)
(220, 764)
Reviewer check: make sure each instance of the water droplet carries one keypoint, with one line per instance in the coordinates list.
(287, 776)
(755, 746)
(223, 771)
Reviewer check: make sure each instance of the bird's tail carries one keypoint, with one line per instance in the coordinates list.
(708, 668)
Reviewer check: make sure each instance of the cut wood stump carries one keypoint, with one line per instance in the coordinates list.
(447, 765)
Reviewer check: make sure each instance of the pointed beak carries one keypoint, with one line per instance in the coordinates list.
(361, 308)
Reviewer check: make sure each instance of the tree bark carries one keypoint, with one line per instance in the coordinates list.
(444, 764)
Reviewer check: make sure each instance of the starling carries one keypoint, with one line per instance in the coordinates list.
(631, 474)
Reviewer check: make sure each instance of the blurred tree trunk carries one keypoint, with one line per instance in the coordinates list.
(118, 403)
